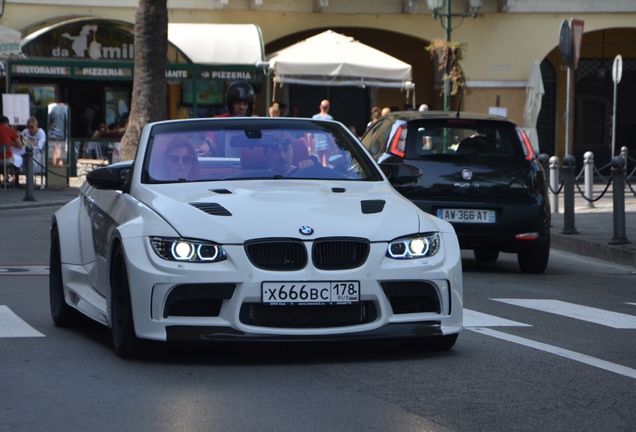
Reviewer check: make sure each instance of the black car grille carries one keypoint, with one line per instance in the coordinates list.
(339, 254)
(308, 317)
(277, 254)
(291, 254)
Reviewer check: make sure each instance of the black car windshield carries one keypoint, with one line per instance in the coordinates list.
(232, 149)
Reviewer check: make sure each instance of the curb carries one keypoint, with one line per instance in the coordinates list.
(618, 254)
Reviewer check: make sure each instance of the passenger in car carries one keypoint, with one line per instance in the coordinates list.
(180, 161)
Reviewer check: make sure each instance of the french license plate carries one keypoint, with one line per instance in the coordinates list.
(310, 293)
(467, 215)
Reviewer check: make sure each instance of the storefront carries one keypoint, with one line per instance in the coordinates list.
(88, 64)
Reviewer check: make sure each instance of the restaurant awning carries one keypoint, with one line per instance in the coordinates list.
(218, 44)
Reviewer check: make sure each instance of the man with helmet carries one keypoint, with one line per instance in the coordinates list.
(239, 99)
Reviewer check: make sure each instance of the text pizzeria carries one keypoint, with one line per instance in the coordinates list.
(105, 72)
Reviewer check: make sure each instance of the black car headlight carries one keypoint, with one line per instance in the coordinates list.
(178, 249)
(420, 246)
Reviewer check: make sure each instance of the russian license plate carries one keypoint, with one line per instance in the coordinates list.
(466, 215)
(310, 293)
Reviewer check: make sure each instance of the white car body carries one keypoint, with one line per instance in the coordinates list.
(170, 300)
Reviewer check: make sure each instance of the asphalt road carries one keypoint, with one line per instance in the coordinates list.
(555, 351)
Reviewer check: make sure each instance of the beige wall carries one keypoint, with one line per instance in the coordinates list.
(500, 46)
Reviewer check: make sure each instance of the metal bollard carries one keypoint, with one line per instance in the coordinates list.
(618, 192)
(569, 166)
(554, 183)
(109, 153)
(28, 168)
(588, 161)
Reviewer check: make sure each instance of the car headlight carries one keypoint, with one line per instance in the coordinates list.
(178, 249)
(421, 246)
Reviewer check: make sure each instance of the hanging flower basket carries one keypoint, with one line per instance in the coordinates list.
(448, 55)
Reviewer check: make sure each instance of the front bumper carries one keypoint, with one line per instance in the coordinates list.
(218, 301)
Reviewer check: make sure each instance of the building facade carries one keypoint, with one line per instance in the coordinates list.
(502, 41)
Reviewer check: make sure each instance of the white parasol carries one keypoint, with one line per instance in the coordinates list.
(534, 94)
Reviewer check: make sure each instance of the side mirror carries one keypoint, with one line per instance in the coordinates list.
(401, 175)
(113, 177)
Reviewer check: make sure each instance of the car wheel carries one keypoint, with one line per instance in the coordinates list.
(535, 261)
(123, 326)
(63, 315)
(436, 343)
(486, 255)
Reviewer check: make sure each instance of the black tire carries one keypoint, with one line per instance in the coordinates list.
(486, 255)
(535, 261)
(436, 343)
(125, 339)
(62, 314)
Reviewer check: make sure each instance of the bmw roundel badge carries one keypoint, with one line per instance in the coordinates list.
(306, 230)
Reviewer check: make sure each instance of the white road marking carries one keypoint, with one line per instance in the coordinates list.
(12, 326)
(583, 313)
(630, 303)
(24, 270)
(478, 319)
(572, 355)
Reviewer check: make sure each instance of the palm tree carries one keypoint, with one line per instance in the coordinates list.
(148, 103)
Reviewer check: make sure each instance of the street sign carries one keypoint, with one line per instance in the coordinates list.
(577, 39)
(565, 41)
(617, 69)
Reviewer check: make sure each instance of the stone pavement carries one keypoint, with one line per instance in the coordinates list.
(595, 226)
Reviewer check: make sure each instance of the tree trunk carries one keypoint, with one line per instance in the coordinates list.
(148, 102)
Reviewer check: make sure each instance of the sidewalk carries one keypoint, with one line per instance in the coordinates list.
(595, 225)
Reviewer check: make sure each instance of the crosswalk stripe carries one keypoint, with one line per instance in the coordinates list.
(24, 270)
(477, 319)
(13, 326)
(572, 355)
(584, 313)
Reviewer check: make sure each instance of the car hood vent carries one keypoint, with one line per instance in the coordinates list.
(213, 209)
(372, 206)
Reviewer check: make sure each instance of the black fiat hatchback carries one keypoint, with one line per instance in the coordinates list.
(479, 173)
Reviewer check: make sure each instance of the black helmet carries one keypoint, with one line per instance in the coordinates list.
(240, 91)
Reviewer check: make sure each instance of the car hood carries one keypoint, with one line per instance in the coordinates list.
(238, 211)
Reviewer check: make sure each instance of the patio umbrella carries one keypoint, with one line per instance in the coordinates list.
(534, 94)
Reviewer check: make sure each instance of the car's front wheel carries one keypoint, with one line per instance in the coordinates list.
(535, 261)
(123, 326)
(62, 314)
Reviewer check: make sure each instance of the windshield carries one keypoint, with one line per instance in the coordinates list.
(216, 150)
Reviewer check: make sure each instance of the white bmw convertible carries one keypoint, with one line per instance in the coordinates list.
(272, 229)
